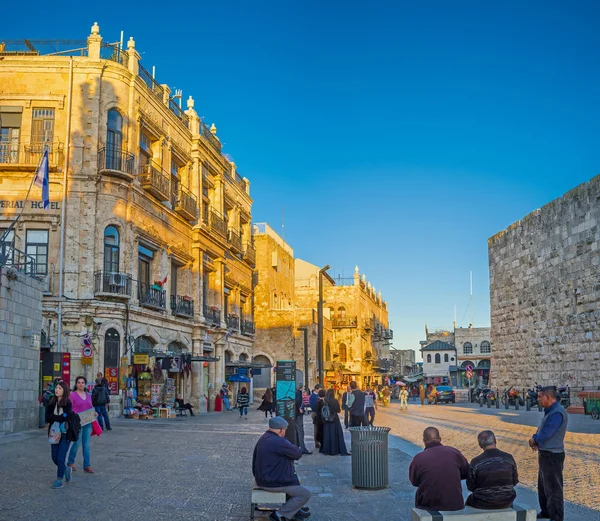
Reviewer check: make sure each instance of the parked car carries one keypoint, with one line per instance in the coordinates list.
(445, 394)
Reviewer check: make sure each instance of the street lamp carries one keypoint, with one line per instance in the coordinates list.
(322, 271)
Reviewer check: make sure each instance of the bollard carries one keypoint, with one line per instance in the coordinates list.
(497, 400)
(517, 403)
(481, 400)
(528, 404)
(506, 402)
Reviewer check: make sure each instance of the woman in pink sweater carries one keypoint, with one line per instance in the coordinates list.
(82, 401)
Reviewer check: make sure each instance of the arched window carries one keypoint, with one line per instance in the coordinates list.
(428, 359)
(467, 348)
(438, 358)
(176, 348)
(327, 352)
(111, 250)
(446, 357)
(114, 134)
(485, 347)
(143, 344)
(343, 354)
(243, 357)
(112, 341)
(341, 314)
(228, 356)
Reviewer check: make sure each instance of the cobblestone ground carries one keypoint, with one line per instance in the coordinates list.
(459, 425)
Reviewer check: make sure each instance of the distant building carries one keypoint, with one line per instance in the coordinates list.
(438, 358)
(402, 362)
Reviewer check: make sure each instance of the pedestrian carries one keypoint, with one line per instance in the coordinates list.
(549, 442)
(183, 405)
(274, 392)
(274, 470)
(267, 403)
(347, 399)
(224, 393)
(422, 393)
(370, 405)
(58, 409)
(243, 400)
(81, 401)
(333, 435)
(492, 476)
(100, 399)
(299, 419)
(314, 398)
(103, 379)
(437, 472)
(357, 409)
(404, 399)
(319, 418)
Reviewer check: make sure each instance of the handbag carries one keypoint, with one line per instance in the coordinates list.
(96, 429)
(54, 434)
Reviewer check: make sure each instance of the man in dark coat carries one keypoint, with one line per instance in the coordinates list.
(437, 472)
(357, 410)
(299, 417)
(273, 469)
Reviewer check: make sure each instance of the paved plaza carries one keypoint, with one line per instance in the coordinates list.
(200, 469)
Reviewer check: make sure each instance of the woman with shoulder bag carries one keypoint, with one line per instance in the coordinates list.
(82, 401)
(58, 410)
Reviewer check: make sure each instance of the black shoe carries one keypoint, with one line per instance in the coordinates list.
(541, 515)
(109, 429)
(305, 509)
(306, 452)
(301, 515)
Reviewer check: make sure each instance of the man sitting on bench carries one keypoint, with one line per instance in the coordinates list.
(273, 469)
(182, 406)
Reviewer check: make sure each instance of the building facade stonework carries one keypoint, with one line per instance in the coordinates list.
(545, 294)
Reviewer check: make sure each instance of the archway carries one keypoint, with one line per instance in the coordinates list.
(262, 376)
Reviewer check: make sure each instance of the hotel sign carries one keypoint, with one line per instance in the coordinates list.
(33, 205)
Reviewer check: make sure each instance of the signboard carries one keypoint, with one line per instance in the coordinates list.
(87, 416)
(87, 360)
(285, 395)
(87, 351)
(66, 368)
(469, 371)
(140, 359)
(112, 375)
(123, 373)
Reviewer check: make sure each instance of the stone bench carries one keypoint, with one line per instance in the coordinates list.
(516, 513)
(261, 497)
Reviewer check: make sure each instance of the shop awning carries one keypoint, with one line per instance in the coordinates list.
(238, 378)
(413, 379)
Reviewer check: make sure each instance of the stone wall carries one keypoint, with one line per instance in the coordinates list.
(20, 327)
(545, 292)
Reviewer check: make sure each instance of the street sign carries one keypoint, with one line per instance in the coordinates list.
(285, 392)
(86, 351)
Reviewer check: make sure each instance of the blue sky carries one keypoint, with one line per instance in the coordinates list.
(398, 136)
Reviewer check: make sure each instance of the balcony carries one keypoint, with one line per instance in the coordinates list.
(186, 204)
(344, 322)
(250, 254)
(388, 334)
(368, 324)
(151, 297)
(208, 135)
(212, 314)
(233, 322)
(112, 284)
(176, 109)
(248, 327)
(235, 241)
(151, 83)
(182, 306)
(154, 181)
(217, 223)
(116, 162)
(27, 156)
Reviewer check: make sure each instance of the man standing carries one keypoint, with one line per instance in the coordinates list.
(273, 469)
(370, 405)
(404, 399)
(437, 472)
(492, 476)
(299, 417)
(422, 393)
(224, 392)
(100, 399)
(357, 409)
(549, 441)
(314, 398)
(346, 404)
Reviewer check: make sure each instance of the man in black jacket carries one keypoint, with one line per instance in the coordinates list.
(299, 417)
(357, 410)
(492, 476)
(273, 469)
(100, 399)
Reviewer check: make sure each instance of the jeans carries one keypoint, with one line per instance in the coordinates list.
(243, 410)
(300, 433)
(313, 415)
(227, 404)
(102, 416)
(346, 416)
(84, 439)
(59, 456)
(358, 420)
(550, 484)
(370, 414)
(297, 495)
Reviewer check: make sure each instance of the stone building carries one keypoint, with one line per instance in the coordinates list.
(545, 294)
(158, 253)
(438, 359)
(403, 362)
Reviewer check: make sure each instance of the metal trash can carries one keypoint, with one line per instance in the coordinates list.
(369, 447)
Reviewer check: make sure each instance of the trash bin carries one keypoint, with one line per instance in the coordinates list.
(218, 404)
(369, 447)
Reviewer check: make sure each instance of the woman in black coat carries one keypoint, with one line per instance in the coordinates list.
(59, 409)
(319, 417)
(333, 436)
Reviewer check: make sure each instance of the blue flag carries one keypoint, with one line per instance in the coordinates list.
(42, 180)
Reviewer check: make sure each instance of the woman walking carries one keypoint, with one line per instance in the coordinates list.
(267, 403)
(58, 409)
(243, 399)
(319, 417)
(81, 401)
(333, 436)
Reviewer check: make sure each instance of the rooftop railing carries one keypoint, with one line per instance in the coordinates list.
(152, 84)
(208, 135)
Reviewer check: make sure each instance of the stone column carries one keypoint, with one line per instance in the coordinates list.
(94, 42)
(133, 61)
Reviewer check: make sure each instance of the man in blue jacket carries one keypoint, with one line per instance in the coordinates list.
(273, 469)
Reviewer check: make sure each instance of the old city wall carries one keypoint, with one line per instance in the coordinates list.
(545, 294)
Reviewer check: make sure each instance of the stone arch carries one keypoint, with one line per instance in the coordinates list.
(148, 331)
(262, 377)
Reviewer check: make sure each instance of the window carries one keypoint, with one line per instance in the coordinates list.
(145, 257)
(37, 247)
(341, 313)
(485, 347)
(343, 353)
(111, 250)
(7, 246)
(275, 301)
(42, 126)
(438, 358)
(226, 295)
(10, 131)
(446, 357)
(428, 359)
(111, 348)
(145, 150)
(114, 133)
(143, 344)
(467, 348)
(174, 182)
(327, 352)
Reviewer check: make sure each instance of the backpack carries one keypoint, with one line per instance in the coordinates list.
(350, 400)
(326, 414)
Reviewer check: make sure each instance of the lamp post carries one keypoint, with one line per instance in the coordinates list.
(305, 330)
(320, 324)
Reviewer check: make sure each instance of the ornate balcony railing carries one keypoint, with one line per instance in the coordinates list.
(30, 155)
(211, 314)
(217, 223)
(208, 135)
(10, 256)
(176, 109)
(344, 322)
(250, 254)
(154, 181)
(116, 161)
(233, 322)
(150, 297)
(186, 204)
(112, 284)
(235, 240)
(152, 84)
(368, 324)
(388, 334)
(182, 306)
(248, 327)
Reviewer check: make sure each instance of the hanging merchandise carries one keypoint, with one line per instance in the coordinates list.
(169, 392)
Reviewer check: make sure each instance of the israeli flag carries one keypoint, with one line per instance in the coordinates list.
(42, 180)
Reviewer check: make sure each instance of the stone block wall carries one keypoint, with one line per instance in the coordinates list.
(545, 294)
(20, 328)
